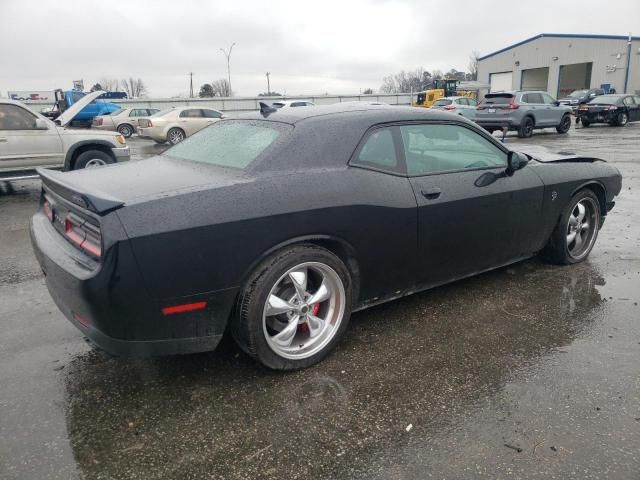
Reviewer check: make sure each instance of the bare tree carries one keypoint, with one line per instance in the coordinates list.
(134, 87)
(473, 65)
(221, 88)
(404, 82)
(367, 91)
(109, 84)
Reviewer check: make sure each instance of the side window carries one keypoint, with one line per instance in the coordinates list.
(535, 98)
(548, 99)
(472, 102)
(637, 100)
(525, 98)
(151, 111)
(628, 101)
(298, 104)
(134, 113)
(462, 101)
(211, 114)
(13, 117)
(379, 151)
(191, 113)
(441, 148)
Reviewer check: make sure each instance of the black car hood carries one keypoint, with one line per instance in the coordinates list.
(104, 188)
(544, 155)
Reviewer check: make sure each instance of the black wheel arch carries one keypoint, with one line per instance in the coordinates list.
(84, 146)
(599, 190)
(338, 246)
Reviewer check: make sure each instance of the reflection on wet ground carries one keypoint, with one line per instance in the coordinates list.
(530, 371)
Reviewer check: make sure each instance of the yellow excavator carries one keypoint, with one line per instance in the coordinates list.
(439, 89)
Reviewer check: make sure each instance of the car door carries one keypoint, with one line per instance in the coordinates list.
(211, 115)
(192, 120)
(471, 215)
(535, 105)
(22, 145)
(632, 108)
(553, 111)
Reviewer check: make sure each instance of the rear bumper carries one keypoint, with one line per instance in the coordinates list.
(497, 123)
(599, 117)
(109, 304)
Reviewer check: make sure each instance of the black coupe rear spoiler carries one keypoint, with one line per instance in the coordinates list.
(94, 201)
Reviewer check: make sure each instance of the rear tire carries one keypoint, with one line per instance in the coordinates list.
(272, 288)
(622, 119)
(565, 124)
(585, 123)
(125, 130)
(175, 135)
(577, 230)
(91, 159)
(526, 128)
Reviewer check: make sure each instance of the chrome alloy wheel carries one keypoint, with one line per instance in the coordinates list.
(175, 136)
(582, 228)
(303, 310)
(95, 162)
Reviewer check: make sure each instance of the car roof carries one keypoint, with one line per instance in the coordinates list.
(366, 113)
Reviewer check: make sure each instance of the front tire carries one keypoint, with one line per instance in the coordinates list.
(565, 124)
(575, 234)
(585, 123)
(92, 159)
(294, 308)
(526, 128)
(175, 136)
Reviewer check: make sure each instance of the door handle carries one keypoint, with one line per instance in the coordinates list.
(431, 193)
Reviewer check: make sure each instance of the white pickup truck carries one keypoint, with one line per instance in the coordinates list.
(28, 141)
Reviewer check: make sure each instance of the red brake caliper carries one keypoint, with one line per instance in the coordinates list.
(303, 327)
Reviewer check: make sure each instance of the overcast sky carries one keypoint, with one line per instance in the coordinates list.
(309, 47)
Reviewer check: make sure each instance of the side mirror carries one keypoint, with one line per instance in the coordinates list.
(41, 124)
(516, 161)
(556, 103)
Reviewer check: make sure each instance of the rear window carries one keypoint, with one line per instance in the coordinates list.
(606, 99)
(497, 99)
(442, 102)
(233, 144)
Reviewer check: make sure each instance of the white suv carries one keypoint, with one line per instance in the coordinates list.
(28, 140)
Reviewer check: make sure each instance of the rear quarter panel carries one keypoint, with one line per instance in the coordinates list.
(210, 240)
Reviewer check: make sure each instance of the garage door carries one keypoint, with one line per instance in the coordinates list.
(500, 82)
(535, 79)
(576, 76)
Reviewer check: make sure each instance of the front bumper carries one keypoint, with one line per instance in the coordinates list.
(121, 154)
(109, 304)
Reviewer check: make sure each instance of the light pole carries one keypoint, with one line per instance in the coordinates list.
(268, 84)
(228, 55)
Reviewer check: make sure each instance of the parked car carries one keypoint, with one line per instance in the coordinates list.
(29, 140)
(578, 97)
(464, 106)
(293, 103)
(616, 110)
(124, 121)
(523, 112)
(176, 124)
(263, 223)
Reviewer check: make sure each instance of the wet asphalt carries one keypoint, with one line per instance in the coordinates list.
(529, 371)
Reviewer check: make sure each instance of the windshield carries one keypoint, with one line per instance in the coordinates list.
(442, 102)
(163, 112)
(233, 144)
(606, 99)
(578, 93)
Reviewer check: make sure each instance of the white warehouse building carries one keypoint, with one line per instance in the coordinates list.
(562, 63)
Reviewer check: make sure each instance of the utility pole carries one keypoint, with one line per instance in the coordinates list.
(228, 55)
(268, 84)
(191, 85)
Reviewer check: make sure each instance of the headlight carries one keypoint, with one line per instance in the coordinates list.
(121, 140)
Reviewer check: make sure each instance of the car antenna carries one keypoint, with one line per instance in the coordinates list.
(265, 109)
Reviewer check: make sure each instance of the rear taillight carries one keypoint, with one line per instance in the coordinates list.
(149, 124)
(449, 107)
(48, 209)
(513, 105)
(480, 107)
(83, 234)
(98, 121)
(583, 108)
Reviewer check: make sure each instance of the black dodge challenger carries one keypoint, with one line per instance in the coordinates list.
(279, 225)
